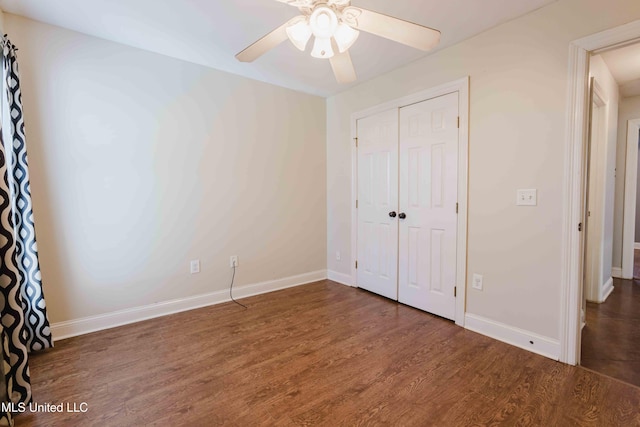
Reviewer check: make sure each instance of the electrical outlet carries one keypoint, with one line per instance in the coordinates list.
(338, 256)
(195, 266)
(477, 281)
(233, 261)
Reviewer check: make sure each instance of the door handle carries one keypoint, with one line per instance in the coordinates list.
(402, 215)
(392, 214)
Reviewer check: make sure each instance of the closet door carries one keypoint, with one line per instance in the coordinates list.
(428, 197)
(378, 203)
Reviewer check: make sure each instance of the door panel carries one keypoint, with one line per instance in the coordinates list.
(428, 187)
(377, 196)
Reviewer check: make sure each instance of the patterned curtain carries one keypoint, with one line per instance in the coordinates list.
(23, 320)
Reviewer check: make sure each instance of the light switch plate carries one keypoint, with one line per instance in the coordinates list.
(527, 197)
(477, 281)
(195, 266)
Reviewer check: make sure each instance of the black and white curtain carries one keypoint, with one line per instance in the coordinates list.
(23, 320)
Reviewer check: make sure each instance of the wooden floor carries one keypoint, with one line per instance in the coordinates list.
(611, 338)
(319, 354)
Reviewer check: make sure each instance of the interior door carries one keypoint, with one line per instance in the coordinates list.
(377, 203)
(428, 197)
(594, 198)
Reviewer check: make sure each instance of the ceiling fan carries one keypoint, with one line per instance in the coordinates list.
(334, 25)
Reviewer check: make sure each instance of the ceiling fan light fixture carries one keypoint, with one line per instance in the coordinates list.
(323, 22)
(299, 34)
(336, 26)
(322, 48)
(345, 37)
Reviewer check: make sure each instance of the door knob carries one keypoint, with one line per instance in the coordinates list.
(392, 214)
(402, 215)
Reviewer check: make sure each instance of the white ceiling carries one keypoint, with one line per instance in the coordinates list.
(211, 32)
(624, 64)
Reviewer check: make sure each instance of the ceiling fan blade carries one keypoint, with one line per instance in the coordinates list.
(268, 42)
(298, 3)
(399, 30)
(343, 67)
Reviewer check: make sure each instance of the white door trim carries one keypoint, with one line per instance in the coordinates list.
(571, 292)
(630, 188)
(462, 87)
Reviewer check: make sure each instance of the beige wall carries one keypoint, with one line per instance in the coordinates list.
(140, 163)
(518, 102)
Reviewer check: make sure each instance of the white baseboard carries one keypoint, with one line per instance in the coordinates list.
(617, 272)
(533, 342)
(636, 245)
(342, 278)
(75, 327)
(607, 289)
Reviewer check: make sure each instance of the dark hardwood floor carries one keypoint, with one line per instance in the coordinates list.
(611, 337)
(318, 354)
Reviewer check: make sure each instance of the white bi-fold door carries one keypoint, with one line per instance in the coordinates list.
(407, 203)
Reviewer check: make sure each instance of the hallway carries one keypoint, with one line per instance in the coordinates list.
(611, 337)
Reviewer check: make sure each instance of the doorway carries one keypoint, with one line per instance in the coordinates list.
(573, 238)
(610, 338)
(631, 212)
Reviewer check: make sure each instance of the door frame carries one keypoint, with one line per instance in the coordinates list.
(461, 86)
(573, 215)
(630, 188)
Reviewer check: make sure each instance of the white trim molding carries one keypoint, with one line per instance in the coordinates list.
(576, 122)
(85, 325)
(616, 272)
(341, 278)
(461, 86)
(607, 288)
(636, 245)
(602, 292)
(531, 341)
